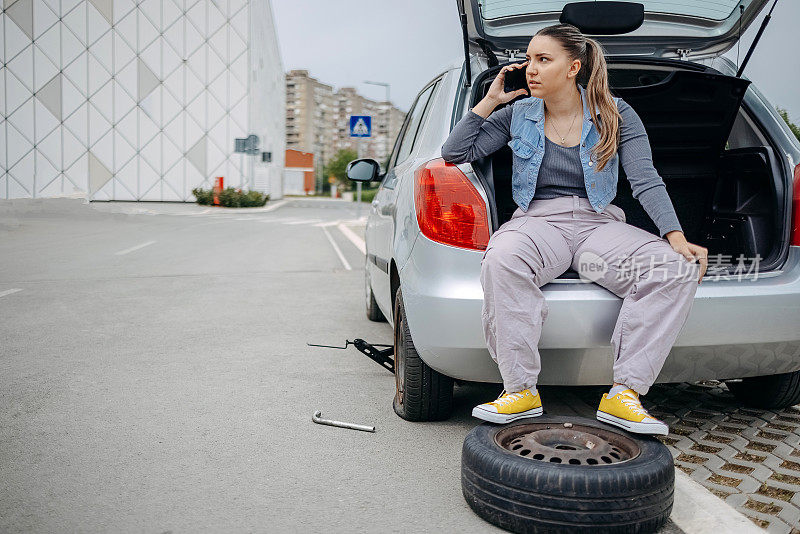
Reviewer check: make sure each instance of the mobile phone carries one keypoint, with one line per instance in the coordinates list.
(515, 79)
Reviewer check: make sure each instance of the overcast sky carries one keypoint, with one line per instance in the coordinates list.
(407, 43)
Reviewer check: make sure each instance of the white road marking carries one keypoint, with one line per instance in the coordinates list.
(9, 291)
(279, 219)
(137, 247)
(305, 221)
(349, 234)
(222, 211)
(336, 248)
(274, 206)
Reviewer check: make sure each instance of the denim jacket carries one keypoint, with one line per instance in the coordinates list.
(521, 126)
(527, 144)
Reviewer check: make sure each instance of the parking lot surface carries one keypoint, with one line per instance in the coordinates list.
(155, 376)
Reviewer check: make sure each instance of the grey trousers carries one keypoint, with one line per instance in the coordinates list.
(656, 283)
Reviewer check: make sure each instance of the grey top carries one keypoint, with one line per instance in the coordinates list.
(561, 172)
(477, 137)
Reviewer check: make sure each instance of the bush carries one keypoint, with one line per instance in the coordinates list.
(231, 198)
(203, 197)
(254, 198)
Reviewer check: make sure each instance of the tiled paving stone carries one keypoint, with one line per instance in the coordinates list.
(746, 456)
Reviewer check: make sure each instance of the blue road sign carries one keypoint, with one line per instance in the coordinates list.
(360, 125)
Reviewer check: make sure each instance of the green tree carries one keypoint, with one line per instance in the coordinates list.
(336, 168)
(793, 127)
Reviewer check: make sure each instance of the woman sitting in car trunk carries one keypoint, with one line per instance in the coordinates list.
(568, 140)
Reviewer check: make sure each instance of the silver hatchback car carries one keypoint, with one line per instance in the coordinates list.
(729, 161)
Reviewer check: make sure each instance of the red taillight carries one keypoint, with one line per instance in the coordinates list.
(795, 237)
(449, 208)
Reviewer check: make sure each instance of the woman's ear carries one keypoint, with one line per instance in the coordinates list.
(575, 68)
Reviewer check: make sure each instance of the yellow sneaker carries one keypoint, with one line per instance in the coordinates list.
(510, 407)
(625, 411)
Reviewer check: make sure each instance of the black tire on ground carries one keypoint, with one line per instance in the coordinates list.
(522, 494)
(769, 392)
(421, 394)
(374, 313)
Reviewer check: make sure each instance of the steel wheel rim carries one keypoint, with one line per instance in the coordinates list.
(567, 444)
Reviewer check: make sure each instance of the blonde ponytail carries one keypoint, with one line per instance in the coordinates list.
(601, 99)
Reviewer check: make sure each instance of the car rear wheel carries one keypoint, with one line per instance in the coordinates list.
(567, 474)
(421, 394)
(374, 313)
(770, 392)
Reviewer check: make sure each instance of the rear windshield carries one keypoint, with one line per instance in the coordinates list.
(715, 10)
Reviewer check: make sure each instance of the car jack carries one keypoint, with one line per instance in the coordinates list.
(382, 357)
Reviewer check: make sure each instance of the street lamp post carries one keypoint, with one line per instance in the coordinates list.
(383, 84)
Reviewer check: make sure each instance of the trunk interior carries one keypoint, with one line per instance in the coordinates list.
(721, 173)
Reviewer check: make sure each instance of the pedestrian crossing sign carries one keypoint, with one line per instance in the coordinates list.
(360, 125)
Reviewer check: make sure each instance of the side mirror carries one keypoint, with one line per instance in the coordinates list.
(363, 170)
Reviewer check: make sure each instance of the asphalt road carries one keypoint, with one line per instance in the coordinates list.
(170, 388)
(155, 377)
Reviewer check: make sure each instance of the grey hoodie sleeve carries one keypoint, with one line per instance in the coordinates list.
(636, 159)
(474, 137)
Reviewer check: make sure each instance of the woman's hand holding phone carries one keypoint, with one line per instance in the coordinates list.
(496, 94)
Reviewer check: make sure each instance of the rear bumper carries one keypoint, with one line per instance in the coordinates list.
(735, 328)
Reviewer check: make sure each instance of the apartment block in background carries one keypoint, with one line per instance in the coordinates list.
(386, 123)
(318, 120)
(309, 116)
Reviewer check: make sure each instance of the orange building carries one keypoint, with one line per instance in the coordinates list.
(298, 175)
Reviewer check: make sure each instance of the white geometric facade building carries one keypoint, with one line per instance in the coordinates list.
(131, 100)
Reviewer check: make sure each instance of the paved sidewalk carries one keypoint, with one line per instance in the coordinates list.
(695, 510)
(748, 457)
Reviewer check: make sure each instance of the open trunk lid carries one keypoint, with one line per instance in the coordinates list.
(696, 29)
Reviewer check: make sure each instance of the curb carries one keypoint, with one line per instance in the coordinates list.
(698, 511)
